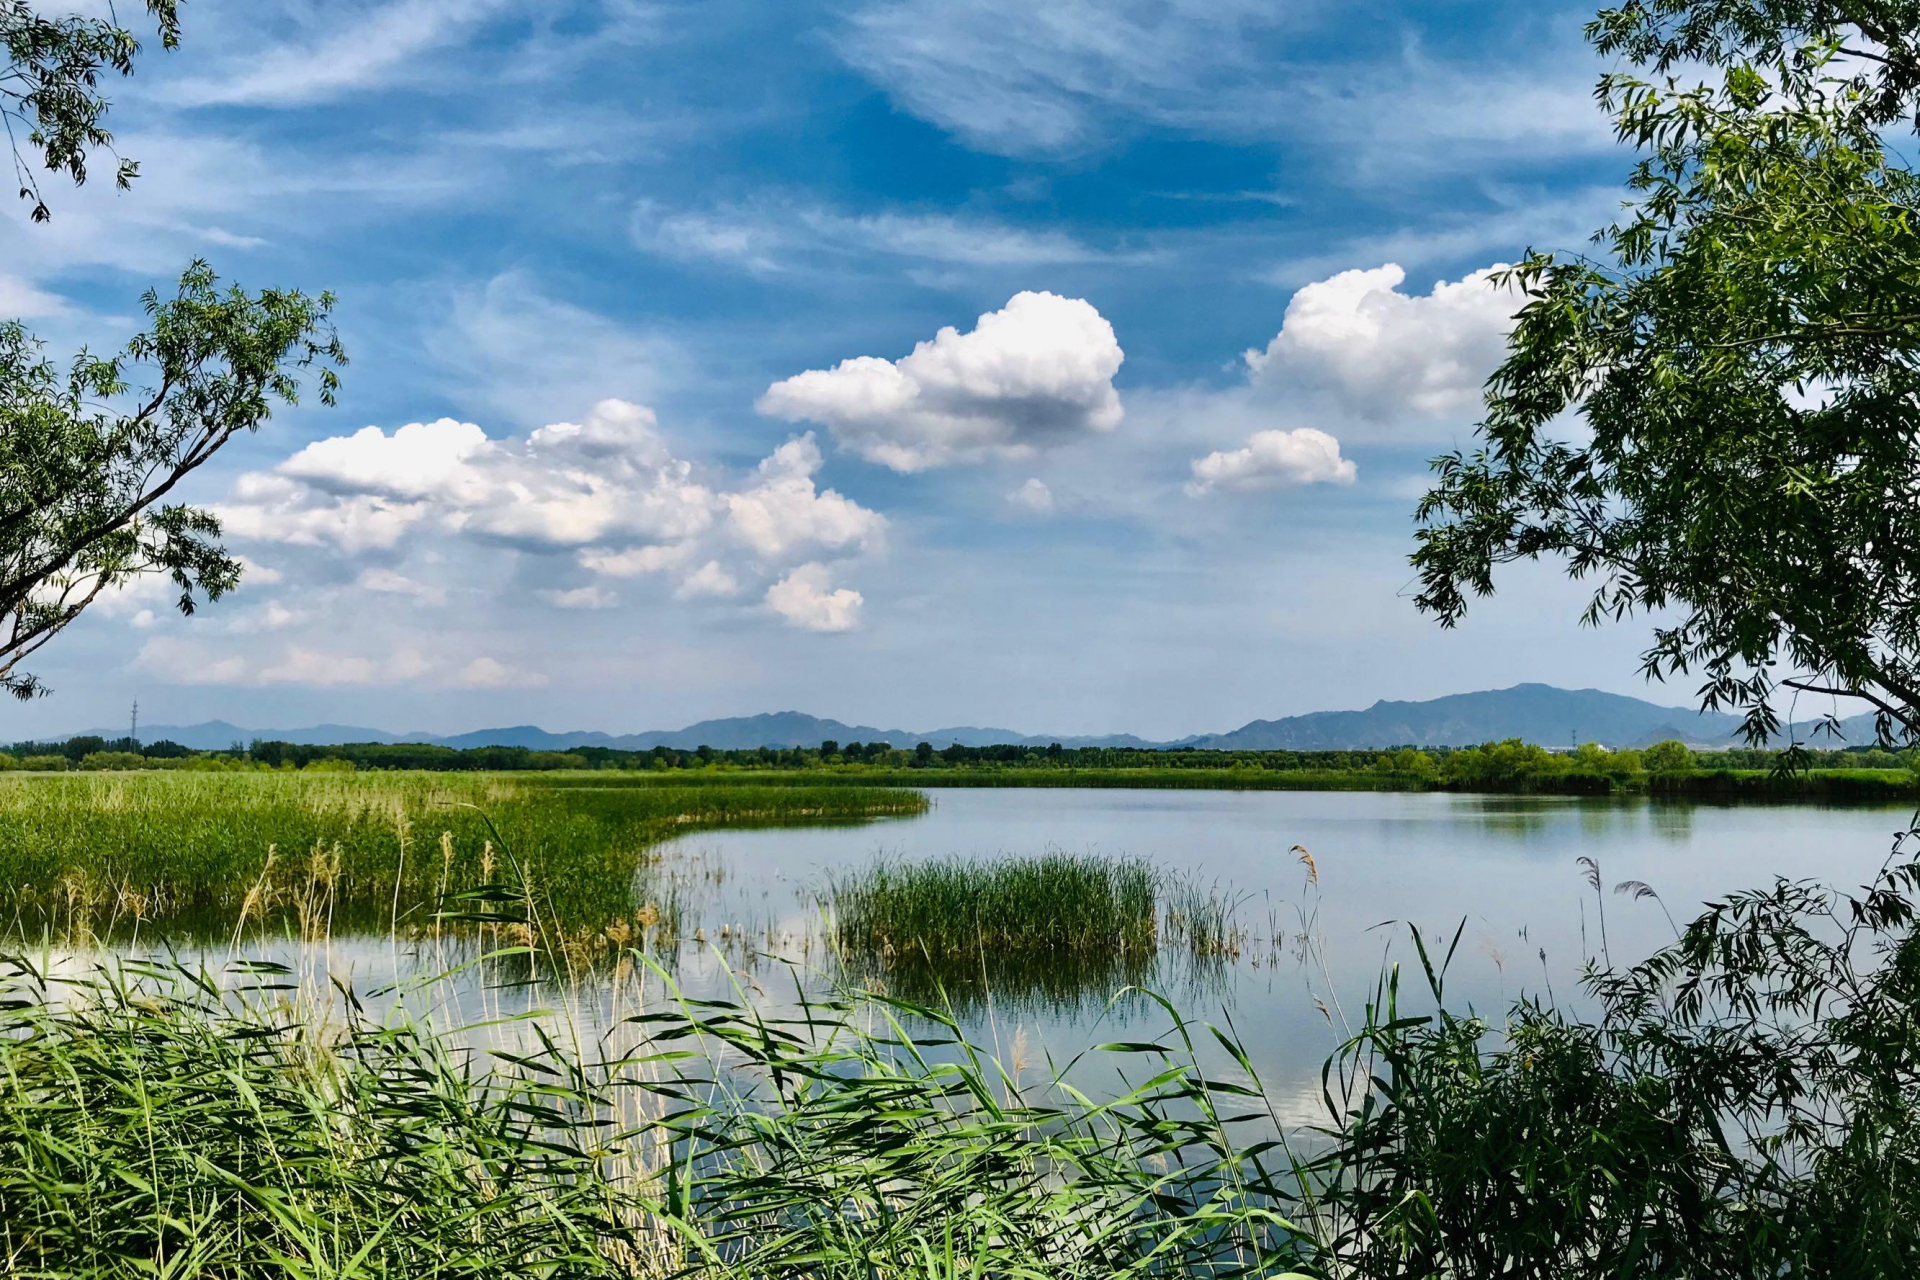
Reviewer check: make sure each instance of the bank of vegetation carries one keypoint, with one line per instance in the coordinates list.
(1743, 1106)
(1663, 769)
(213, 855)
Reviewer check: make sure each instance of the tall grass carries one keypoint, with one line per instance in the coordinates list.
(192, 854)
(1055, 931)
(160, 1123)
(1747, 1106)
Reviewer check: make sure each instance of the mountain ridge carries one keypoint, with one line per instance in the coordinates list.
(1540, 713)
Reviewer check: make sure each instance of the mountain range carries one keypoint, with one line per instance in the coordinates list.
(1538, 713)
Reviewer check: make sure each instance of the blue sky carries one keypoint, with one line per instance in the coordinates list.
(1065, 366)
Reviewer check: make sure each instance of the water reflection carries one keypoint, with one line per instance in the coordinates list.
(1501, 869)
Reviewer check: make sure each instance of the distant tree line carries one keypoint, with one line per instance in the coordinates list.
(1512, 763)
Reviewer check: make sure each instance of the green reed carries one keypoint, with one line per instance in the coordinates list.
(158, 1122)
(1054, 904)
(206, 856)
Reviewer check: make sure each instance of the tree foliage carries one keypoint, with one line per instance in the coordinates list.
(1715, 419)
(51, 99)
(1746, 1105)
(89, 459)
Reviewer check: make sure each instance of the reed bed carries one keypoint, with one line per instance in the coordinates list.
(206, 856)
(167, 1122)
(1056, 932)
(1054, 904)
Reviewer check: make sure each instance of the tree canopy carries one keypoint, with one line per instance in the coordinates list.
(51, 99)
(88, 458)
(1713, 417)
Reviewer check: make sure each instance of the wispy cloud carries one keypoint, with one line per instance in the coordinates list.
(1047, 77)
(770, 236)
(1037, 76)
(336, 49)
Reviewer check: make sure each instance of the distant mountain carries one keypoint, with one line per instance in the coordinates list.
(1537, 713)
(735, 733)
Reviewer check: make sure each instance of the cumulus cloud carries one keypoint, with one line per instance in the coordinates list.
(807, 599)
(1037, 372)
(1383, 352)
(1033, 497)
(783, 509)
(580, 598)
(606, 490)
(271, 616)
(1273, 460)
(710, 579)
(388, 582)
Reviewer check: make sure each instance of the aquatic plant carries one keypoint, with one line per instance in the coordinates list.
(198, 856)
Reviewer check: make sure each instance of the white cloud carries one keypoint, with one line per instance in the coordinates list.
(21, 301)
(783, 510)
(488, 673)
(1024, 76)
(420, 460)
(358, 50)
(272, 508)
(580, 598)
(608, 477)
(1037, 372)
(635, 562)
(253, 573)
(1382, 352)
(506, 348)
(710, 579)
(271, 616)
(1271, 460)
(137, 596)
(606, 489)
(389, 582)
(806, 599)
(767, 238)
(1034, 497)
(180, 661)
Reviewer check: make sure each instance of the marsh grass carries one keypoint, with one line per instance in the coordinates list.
(166, 1121)
(200, 857)
(1054, 932)
(1053, 903)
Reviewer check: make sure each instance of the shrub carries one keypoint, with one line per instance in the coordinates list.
(113, 760)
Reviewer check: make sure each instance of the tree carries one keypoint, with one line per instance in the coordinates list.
(87, 460)
(1743, 362)
(50, 92)
(1670, 756)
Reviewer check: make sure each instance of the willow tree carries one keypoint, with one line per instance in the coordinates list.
(92, 453)
(51, 100)
(1715, 419)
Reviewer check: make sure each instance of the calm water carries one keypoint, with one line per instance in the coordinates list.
(1503, 865)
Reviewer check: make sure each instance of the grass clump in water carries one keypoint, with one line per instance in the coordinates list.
(1054, 905)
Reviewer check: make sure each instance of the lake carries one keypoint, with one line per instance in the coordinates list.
(1501, 869)
(1308, 948)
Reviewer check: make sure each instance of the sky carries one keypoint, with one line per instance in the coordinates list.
(1061, 365)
